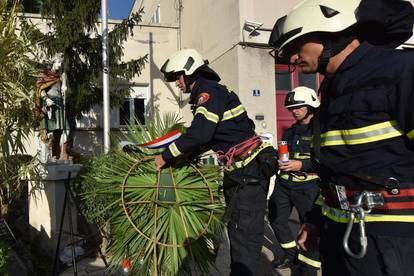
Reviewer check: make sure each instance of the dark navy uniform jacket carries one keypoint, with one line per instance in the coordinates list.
(367, 123)
(299, 138)
(367, 115)
(220, 121)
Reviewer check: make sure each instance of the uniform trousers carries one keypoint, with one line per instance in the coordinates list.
(280, 207)
(387, 255)
(246, 227)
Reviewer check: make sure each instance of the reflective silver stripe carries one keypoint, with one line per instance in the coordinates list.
(234, 112)
(288, 244)
(174, 150)
(361, 135)
(411, 134)
(308, 261)
(306, 138)
(208, 115)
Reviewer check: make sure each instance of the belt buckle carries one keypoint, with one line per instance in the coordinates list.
(341, 197)
(371, 199)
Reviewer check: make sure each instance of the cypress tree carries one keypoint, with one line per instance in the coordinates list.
(75, 32)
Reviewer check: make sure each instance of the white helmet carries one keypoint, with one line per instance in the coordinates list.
(185, 61)
(310, 16)
(301, 96)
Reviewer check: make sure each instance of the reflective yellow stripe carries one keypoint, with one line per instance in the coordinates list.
(319, 201)
(343, 216)
(174, 150)
(411, 134)
(288, 245)
(208, 115)
(306, 138)
(297, 178)
(243, 163)
(232, 113)
(308, 261)
(301, 155)
(361, 135)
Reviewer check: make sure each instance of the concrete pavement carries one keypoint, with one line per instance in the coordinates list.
(95, 267)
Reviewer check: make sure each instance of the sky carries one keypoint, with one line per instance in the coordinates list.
(119, 9)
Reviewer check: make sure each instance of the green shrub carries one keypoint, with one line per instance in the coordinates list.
(3, 258)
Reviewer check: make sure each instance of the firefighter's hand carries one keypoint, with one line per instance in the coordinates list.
(159, 162)
(290, 166)
(307, 237)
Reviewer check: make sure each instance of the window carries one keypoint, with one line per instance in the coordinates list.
(283, 80)
(308, 80)
(134, 108)
(131, 109)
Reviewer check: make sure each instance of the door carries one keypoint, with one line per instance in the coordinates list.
(287, 78)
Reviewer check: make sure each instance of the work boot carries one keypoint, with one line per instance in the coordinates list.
(283, 263)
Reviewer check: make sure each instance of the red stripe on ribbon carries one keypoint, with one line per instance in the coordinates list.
(166, 136)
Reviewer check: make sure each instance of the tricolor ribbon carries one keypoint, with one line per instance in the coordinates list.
(163, 141)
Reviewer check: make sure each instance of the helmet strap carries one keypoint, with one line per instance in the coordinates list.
(325, 56)
(188, 80)
(309, 111)
(333, 45)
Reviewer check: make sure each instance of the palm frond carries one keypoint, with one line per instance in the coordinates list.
(161, 221)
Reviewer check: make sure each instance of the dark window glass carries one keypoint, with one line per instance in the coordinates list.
(125, 112)
(139, 110)
(132, 108)
(308, 80)
(283, 80)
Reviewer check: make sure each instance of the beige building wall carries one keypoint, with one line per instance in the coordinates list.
(231, 34)
(215, 29)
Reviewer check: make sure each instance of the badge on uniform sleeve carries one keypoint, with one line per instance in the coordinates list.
(203, 98)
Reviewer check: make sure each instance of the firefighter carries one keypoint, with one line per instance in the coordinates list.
(296, 181)
(221, 123)
(363, 131)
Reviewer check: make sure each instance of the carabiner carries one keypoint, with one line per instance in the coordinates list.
(362, 239)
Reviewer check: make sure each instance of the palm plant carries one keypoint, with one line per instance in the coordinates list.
(17, 76)
(160, 221)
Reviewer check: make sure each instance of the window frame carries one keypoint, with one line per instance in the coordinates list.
(140, 92)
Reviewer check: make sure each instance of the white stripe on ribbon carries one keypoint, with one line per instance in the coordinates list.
(162, 142)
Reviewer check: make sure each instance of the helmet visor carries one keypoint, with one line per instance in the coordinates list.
(277, 32)
(169, 76)
(290, 100)
(278, 37)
